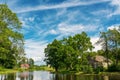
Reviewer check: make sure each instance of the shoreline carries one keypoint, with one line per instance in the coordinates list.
(7, 71)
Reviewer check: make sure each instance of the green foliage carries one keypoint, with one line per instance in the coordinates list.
(69, 52)
(31, 62)
(54, 54)
(110, 41)
(114, 68)
(98, 69)
(11, 40)
(88, 69)
(114, 39)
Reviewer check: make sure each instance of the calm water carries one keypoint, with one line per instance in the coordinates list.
(44, 75)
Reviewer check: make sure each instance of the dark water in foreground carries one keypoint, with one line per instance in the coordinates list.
(45, 75)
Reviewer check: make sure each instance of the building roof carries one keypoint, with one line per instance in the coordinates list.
(99, 58)
(25, 65)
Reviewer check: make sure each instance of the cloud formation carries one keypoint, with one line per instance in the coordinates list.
(116, 26)
(35, 50)
(96, 46)
(116, 4)
(61, 5)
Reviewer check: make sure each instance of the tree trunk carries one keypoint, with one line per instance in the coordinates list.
(106, 51)
(56, 69)
(116, 52)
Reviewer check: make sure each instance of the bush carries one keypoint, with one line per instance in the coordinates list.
(88, 69)
(98, 69)
(114, 68)
(1, 69)
(77, 68)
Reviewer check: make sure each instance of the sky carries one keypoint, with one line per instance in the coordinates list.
(46, 20)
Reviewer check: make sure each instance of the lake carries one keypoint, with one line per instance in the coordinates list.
(45, 75)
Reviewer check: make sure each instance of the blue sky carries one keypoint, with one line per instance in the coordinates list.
(46, 20)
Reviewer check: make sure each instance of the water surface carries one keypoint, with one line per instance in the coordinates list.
(45, 75)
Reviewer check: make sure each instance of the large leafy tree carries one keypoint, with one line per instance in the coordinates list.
(77, 46)
(68, 52)
(114, 42)
(11, 40)
(110, 41)
(82, 44)
(53, 54)
(104, 41)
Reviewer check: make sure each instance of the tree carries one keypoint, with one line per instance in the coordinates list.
(68, 52)
(11, 40)
(103, 40)
(31, 62)
(53, 54)
(70, 57)
(114, 41)
(80, 44)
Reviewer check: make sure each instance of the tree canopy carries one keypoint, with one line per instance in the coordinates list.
(11, 39)
(68, 52)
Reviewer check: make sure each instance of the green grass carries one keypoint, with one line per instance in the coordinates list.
(4, 71)
(45, 68)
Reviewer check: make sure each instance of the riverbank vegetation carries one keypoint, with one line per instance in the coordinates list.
(12, 53)
(11, 39)
(74, 53)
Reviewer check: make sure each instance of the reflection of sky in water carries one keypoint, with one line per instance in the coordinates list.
(35, 75)
(43, 75)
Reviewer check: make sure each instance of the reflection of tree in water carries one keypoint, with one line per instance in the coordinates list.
(105, 77)
(26, 76)
(11, 76)
(78, 77)
(63, 77)
(22, 76)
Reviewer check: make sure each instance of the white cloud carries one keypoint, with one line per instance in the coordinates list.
(103, 13)
(52, 31)
(70, 29)
(66, 4)
(61, 12)
(66, 28)
(31, 19)
(115, 3)
(75, 28)
(114, 27)
(35, 49)
(97, 46)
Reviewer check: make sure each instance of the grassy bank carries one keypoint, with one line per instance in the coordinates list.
(45, 68)
(4, 71)
(42, 68)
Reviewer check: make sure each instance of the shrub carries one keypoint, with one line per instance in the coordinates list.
(88, 69)
(114, 68)
(98, 69)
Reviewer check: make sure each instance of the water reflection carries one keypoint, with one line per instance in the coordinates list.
(44, 75)
(26, 76)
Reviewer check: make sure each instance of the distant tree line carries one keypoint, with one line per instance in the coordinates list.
(72, 53)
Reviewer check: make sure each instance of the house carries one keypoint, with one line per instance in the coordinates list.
(99, 61)
(25, 66)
